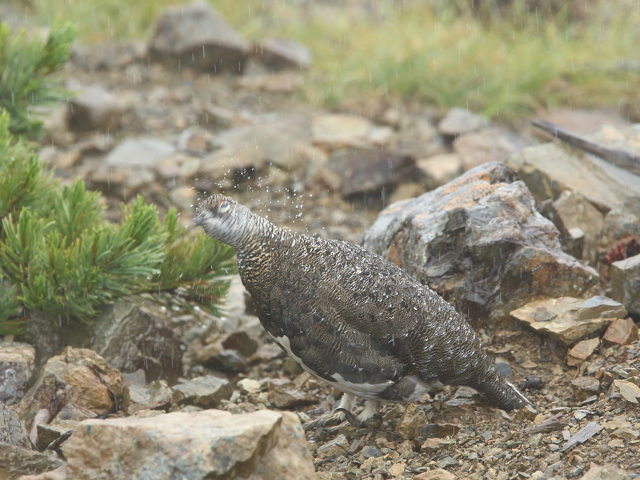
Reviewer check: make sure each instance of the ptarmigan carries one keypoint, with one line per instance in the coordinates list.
(350, 317)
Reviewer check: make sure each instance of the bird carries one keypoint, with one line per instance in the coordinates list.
(351, 318)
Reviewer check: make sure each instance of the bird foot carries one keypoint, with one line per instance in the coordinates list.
(371, 422)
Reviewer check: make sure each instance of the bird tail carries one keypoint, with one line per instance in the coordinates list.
(500, 392)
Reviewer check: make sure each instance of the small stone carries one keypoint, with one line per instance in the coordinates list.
(139, 153)
(616, 443)
(249, 385)
(581, 351)
(447, 462)
(282, 53)
(584, 387)
(629, 391)
(606, 472)
(48, 433)
(93, 108)
(242, 342)
(570, 319)
(397, 469)
(622, 331)
(194, 141)
(227, 361)
(371, 451)
(460, 120)
(154, 396)
(337, 446)
(437, 444)
(204, 392)
(287, 398)
(435, 474)
(439, 169)
(340, 130)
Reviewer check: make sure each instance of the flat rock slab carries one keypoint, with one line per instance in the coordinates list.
(480, 242)
(550, 169)
(570, 319)
(196, 36)
(16, 461)
(191, 446)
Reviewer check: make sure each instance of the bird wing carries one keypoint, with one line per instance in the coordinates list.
(347, 314)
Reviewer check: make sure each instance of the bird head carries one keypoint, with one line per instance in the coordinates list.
(224, 219)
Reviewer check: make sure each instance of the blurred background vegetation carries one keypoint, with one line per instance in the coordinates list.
(499, 57)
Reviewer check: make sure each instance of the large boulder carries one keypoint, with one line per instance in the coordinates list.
(550, 169)
(196, 36)
(134, 335)
(481, 243)
(130, 334)
(190, 446)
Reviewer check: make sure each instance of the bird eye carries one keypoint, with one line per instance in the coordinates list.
(224, 207)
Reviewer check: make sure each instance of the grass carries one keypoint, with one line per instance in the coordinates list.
(503, 67)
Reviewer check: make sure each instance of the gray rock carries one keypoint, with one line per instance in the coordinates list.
(439, 169)
(570, 319)
(241, 341)
(227, 361)
(196, 36)
(460, 120)
(584, 387)
(332, 131)
(282, 53)
(204, 392)
(622, 221)
(494, 144)
(155, 396)
(480, 242)
(17, 362)
(418, 137)
(16, 461)
(49, 433)
(370, 171)
(191, 446)
(12, 430)
(93, 108)
(139, 153)
(131, 336)
(550, 169)
(625, 283)
(572, 212)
